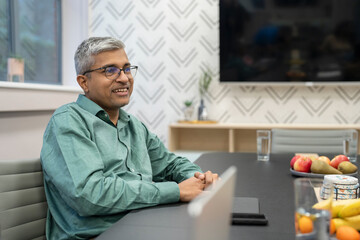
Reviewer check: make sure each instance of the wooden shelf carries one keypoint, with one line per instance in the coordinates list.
(229, 137)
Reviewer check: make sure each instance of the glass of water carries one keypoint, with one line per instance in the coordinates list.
(263, 138)
(350, 143)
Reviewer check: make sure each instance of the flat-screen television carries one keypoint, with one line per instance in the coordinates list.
(289, 41)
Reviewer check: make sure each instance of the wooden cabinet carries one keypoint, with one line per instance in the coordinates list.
(229, 137)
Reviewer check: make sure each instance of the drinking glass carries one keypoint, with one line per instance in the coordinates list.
(312, 208)
(350, 142)
(263, 144)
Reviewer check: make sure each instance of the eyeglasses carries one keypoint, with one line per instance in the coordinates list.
(113, 73)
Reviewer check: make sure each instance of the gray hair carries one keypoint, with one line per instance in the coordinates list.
(84, 55)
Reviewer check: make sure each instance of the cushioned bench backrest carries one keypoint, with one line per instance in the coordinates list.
(23, 204)
(309, 141)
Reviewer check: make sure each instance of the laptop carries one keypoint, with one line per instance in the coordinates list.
(208, 216)
(210, 212)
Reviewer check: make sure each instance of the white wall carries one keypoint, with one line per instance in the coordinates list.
(25, 110)
(21, 133)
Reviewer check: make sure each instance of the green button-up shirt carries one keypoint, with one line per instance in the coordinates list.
(94, 171)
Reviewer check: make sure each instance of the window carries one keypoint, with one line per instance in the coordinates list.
(31, 30)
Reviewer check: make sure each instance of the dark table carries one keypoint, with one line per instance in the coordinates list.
(271, 182)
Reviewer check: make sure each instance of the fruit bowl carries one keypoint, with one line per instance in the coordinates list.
(316, 175)
(318, 167)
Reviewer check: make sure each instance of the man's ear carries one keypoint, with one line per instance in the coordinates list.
(83, 82)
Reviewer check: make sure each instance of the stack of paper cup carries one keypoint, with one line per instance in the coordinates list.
(345, 187)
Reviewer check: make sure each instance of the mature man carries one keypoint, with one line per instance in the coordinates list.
(99, 161)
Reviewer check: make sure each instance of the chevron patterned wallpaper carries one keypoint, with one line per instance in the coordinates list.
(174, 41)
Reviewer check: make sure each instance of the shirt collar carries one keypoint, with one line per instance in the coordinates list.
(95, 109)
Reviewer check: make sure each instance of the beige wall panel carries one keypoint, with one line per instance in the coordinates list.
(25, 110)
(21, 134)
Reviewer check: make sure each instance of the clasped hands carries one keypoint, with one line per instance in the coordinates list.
(193, 186)
(207, 178)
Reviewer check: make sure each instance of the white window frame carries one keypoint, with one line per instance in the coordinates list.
(75, 29)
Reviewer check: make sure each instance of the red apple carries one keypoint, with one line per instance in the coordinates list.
(324, 159)
(293, 160)
(337, 160)
(303, 164)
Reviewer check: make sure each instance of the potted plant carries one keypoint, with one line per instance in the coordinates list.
(188, 111)
(204, 84)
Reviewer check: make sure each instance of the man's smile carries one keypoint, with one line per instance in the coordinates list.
(123, 91)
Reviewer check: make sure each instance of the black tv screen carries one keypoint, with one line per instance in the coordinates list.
(289, 40)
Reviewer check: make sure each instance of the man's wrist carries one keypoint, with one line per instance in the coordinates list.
(169, 192)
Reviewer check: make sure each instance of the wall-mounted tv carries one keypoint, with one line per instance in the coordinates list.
(289, 41)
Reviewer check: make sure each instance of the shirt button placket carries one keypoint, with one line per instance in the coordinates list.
(128, 158)
(128, 148)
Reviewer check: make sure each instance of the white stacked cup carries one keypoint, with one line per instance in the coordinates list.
(345, 187)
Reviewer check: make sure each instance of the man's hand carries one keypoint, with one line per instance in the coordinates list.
(208, 177)
(190, 188)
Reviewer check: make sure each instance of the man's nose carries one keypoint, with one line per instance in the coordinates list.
(122, 77)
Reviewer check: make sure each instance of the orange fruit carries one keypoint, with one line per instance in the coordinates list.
(332, 227)
(305, 224)
(296, 222)
(347, 233)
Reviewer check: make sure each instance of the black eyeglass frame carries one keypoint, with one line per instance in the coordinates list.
(121, 69)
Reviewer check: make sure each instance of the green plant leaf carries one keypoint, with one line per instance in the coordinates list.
(188, 103)
(204, 82)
